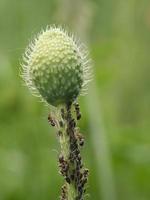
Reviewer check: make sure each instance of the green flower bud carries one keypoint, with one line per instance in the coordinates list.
(55, 68)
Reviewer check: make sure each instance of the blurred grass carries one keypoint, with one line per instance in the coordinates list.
(117, 33)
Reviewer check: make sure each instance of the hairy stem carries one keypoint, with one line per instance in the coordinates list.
(70, 161)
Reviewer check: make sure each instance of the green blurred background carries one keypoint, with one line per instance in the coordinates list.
(116, 111)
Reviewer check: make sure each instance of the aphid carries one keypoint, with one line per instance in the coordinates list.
(61, 158)
(80, 188)
(59, 133)
(51, 120)
(80, 177)
(80, 139)
(77, 109)
(73, 148)
(72, 123)
(84, 182)
(78, 115)
(77, 153)
(81, 142)
(81, 166)
(63, 164)
(85, 173)
(68, 180)
(64, 195)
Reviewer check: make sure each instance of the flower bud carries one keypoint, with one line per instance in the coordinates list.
(55, 67)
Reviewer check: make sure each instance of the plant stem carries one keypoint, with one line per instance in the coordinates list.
(70, 161)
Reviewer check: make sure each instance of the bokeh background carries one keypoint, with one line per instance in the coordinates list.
(116, 111)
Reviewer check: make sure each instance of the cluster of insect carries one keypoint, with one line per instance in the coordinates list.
(71, 167)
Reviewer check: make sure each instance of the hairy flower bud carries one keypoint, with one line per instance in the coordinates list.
(55, 67)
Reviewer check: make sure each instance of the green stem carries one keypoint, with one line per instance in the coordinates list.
(70, 161)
